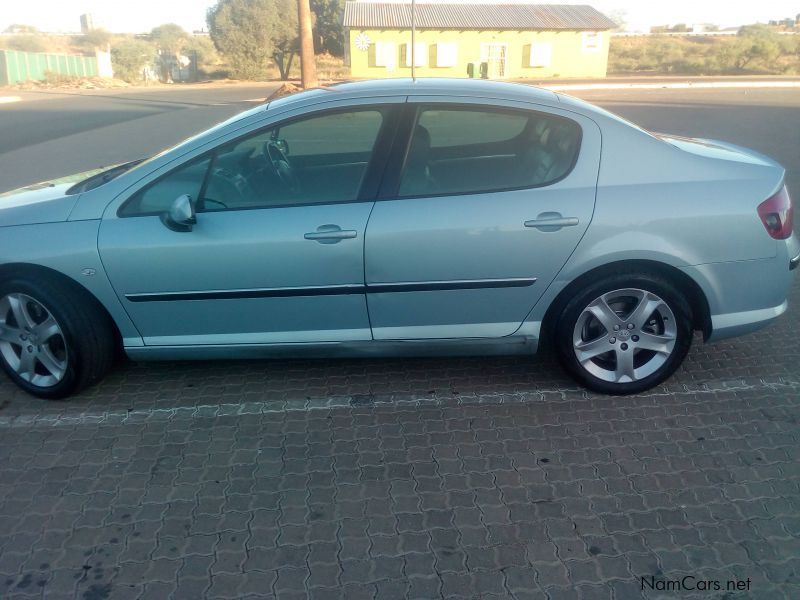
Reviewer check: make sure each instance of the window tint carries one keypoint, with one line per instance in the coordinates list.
(458, 151)
(311, 161)
(159, 196)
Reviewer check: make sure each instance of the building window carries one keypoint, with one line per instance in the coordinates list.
(541, 54)
(446, 54)
(592, 41)
(385, 54)
(420, 54)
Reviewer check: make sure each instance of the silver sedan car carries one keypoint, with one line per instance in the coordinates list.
(399, 218)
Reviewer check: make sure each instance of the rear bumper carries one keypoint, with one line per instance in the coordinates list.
(729, 325)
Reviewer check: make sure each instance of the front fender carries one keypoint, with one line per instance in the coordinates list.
(69, 248)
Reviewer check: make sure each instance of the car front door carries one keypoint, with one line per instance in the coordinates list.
(489, 204)
(276, 254)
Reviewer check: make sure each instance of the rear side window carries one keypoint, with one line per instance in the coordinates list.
(457, 150)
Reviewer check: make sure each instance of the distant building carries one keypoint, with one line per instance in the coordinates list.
(87, 23)
(514, 40)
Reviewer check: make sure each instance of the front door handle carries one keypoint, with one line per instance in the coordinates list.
(330, 234)
(551, 221)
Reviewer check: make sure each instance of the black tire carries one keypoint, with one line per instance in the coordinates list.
(87, 331)
(655, 284)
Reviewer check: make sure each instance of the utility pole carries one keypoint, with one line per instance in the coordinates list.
(308, 68)
(413, 40)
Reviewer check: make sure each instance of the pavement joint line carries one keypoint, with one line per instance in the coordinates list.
(138, 417)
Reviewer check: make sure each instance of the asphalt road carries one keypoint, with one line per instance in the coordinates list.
(48, 135)
(417, 478)
(52, 134)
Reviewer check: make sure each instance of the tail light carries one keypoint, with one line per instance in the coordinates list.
(776, 214)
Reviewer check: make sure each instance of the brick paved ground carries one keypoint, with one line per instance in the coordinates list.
(462, 478)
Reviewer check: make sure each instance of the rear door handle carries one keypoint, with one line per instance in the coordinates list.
(551, 221)
(330, 234)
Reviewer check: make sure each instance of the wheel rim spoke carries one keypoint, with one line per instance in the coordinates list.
(648, 304)
(656, 343)
(19, 309)
(27, 365)
(603, 313)
(47, 329)
(56, 367)
(588, 350)
(10, 334)
(625, 372)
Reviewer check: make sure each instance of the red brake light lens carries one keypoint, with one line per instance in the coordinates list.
(776, 214)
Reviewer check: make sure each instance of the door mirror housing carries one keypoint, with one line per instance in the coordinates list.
(181, 215)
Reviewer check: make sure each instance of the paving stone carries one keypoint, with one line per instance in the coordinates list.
(265, 479)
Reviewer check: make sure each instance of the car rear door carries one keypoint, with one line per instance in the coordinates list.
(480, 211)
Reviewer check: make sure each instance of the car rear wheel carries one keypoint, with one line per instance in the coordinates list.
(624, 334)
(54, 340)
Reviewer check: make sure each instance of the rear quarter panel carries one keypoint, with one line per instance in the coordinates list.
(658, 202)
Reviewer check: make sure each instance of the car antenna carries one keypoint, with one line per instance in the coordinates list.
(413, 41)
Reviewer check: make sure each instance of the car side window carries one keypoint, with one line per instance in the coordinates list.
(457, 150)
(157, 197)
(315, 160)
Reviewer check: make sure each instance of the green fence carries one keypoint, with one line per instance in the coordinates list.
(25, 66)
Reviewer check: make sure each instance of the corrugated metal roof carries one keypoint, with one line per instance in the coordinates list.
(395, 15)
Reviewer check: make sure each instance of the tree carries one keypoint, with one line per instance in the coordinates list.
(130, 56)
(202, 50)
(756, 44)
(250, 33)
(328, 28)
(619, 17)
(170, 39)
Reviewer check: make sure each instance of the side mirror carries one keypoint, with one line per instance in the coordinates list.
(181, 215)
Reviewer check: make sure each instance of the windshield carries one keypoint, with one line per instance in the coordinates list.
(101, 176)
(217, 127)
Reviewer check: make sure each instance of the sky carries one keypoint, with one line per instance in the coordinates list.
(142, 15)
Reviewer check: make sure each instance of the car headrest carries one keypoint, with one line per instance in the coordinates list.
(420, 147)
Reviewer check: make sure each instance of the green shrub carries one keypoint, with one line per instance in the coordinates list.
(756, 49)
(129, 56)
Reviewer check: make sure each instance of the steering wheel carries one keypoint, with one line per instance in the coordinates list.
(281, 166)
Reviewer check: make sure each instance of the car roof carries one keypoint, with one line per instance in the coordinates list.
(427, 86)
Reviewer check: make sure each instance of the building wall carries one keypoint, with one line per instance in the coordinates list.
(571, 53)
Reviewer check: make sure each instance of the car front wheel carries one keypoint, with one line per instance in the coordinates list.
(624, 334)
(54, 340)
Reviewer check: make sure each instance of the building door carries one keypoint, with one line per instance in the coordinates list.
(495, 54)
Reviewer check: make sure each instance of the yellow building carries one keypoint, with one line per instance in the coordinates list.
(514, 41)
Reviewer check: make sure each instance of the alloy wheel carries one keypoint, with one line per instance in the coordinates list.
(32, 341)
(624, 335)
